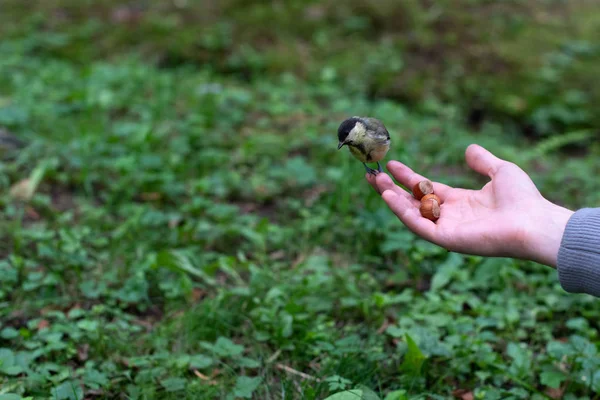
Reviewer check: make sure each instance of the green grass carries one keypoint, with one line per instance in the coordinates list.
(193, 233)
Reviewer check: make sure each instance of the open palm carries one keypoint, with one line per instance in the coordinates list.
(508, 217)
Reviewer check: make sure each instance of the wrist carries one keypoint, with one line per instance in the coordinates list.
(544, 235)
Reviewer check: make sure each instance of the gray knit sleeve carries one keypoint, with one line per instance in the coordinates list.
(578, 262)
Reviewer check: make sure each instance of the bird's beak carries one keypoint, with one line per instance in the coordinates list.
(340, 145)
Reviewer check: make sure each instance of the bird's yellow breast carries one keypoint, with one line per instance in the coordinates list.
(373, 153)
(356, 152)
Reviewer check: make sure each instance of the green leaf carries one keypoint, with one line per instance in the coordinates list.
(95, 379)
(10, 396)
(12, 370)
(555, 142)
(397, 240)
(9, 333)
(181, 361)
(446, 271)
(88, 325)
(354, 394)
(200, 361)
(256, 238)
(13, 115)
(397, 395)
(68, 390)
(558, 350)
(173, 384)
(226, 348)
(521, 359)
(7, 358)
(75, 313)
(181, 261)
(368, 394)
(552, 379)
(248, 363)
(337, 382)
(413, 359)
(287, 321)
(596, 381)
(55, 337)
(245, 386)
(394, 331)
(578, 324)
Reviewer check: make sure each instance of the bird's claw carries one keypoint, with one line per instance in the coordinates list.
(372, 171)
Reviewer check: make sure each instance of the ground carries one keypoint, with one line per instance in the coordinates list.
(177, 222)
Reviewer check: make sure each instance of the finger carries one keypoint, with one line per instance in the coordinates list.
(482, 161)
(371, 179)
(410, 178)
(410, 215)
(378, 182)
(384, 182)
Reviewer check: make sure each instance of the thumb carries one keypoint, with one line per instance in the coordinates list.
(482, 161)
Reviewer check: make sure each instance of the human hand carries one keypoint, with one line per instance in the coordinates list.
(508, 217)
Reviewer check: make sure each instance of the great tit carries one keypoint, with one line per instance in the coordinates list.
(367, 138)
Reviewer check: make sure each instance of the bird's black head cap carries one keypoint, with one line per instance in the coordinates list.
(346, 127)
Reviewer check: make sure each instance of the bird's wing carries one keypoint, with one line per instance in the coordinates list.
(378, 127)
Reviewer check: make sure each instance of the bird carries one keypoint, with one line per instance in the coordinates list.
(367, 138)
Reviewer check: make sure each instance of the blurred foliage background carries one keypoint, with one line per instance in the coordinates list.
(176, 222)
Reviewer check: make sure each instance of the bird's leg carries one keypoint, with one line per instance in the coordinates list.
(370, 170)
(379, 167)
